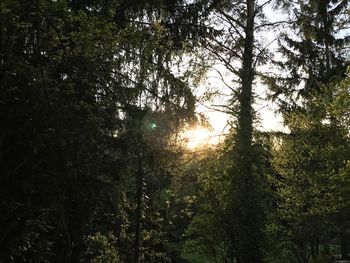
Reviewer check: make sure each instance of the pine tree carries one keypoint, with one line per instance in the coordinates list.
(234, 45)
(309, 157)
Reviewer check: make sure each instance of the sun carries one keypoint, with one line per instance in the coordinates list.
(199, 137)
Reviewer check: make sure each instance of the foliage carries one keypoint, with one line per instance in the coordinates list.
(93, 95)
(308, 159)
(309, 162)
(77, 81)
(100, 248)
(206, 234)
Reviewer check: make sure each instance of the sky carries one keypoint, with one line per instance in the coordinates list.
(270, 120)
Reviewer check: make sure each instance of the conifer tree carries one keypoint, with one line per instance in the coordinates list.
(314, 59)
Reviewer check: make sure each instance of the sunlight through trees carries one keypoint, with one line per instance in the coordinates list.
(107, 152)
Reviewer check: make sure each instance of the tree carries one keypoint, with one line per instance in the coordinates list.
(315, 49)
(309, 162)
(314, 58)
(72, 89)
(236, 48)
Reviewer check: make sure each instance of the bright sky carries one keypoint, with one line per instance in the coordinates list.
(269, 119)
(266, 110)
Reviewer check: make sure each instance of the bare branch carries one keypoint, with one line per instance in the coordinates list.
(228, 110)
(277, 23)
(233, 25)
(226, 62)
(223, 81)
(260, 7)
(232, 51)
(261, 52)
(232, 19)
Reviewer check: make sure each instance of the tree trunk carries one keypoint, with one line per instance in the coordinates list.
(139, 193)
(344, 245)
(246, 204)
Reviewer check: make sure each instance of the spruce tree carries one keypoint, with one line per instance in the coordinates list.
(314, 59)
